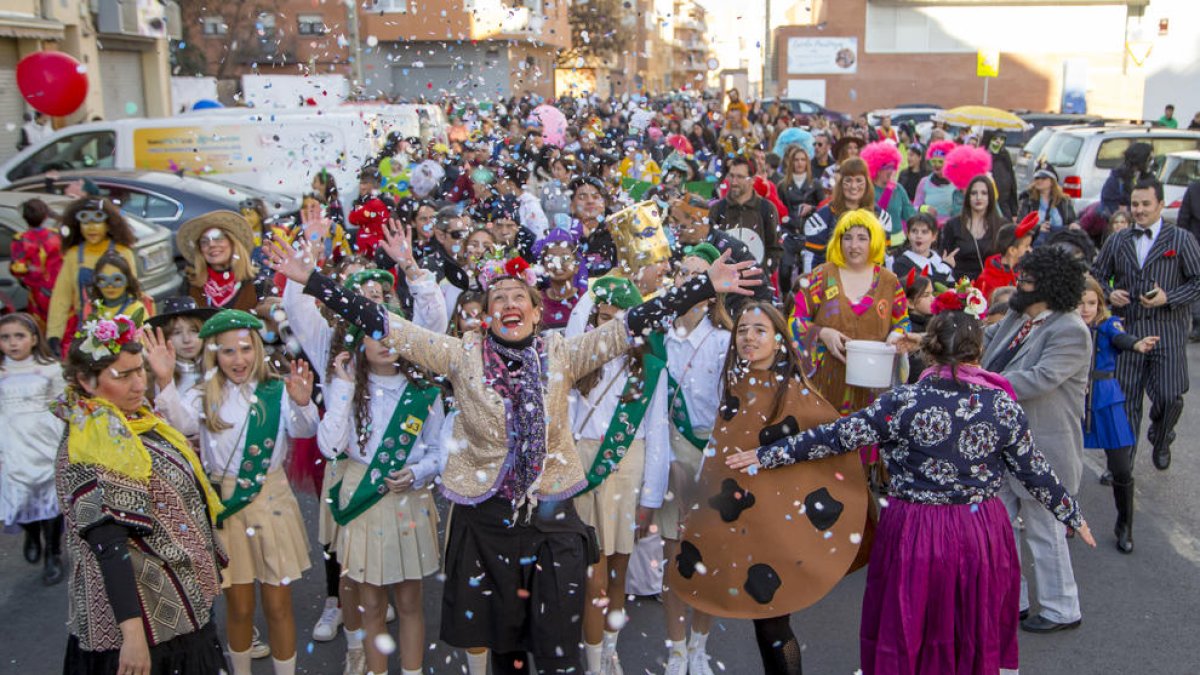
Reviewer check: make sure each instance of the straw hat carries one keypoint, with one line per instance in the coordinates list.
(234, 224)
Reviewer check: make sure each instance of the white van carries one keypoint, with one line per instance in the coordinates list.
(273, 151)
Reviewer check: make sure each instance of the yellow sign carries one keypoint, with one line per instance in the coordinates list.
(987, 63)
(194, 149)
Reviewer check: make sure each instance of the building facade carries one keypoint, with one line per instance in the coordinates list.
(858, 55)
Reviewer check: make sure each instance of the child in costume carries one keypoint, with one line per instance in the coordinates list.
(30, 381)
(919, 254)
(245, 416)
(115, 291)
(37, 256)
(1105, 424)
(1013, 242)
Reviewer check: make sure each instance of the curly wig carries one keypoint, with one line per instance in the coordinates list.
(1058, 276)
(964, 163)
(940, 149)
(878, 155)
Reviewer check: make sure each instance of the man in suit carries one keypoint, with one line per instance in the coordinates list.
(1044, 349)
(1154, 268)
(1189, 219)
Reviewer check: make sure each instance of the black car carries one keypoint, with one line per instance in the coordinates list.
(166, 199)
(805, 107)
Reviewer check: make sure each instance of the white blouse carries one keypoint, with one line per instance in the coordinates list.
(695, 359)
(222, 451)
(337, 433)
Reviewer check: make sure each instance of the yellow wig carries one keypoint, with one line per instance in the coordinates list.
(857, 218)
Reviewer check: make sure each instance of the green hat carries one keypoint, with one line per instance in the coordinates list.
(616, 291)
(356, 280)
(705, 251)
(227, 320)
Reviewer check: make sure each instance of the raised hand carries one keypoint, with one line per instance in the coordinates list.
(340, 370)
(295, 262)
(738, 278)
(313, 221)
(397, 243)
(299, 382)
(160, 356)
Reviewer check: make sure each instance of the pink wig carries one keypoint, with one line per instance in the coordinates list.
(965, 163)
(940, 149)
(879, 155)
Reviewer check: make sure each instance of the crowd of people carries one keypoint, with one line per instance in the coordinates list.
(559, 342)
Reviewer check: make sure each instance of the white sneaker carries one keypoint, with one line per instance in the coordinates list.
(331, 619)
(677, 664)
(391, 613)
(610, 663)
(356, 662)
(698, 663)
(258, 650)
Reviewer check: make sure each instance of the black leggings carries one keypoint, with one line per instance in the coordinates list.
(333, 573)
(1120, 463)
(778, 646)
(51, 531)
(517, 663)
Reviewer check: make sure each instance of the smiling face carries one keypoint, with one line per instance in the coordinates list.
(373, 291)
(853, 189)
(514, 316)
(123, 383)
(216, 248)
(756, 339)
(184, 334)
(856, 246)
(478, 243)
(238, 354)
(560, 262)
(1146, 206)
(93, 232)
(587, 204)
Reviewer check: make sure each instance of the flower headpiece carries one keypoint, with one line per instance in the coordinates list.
(962, 298)
(103, 338)
(495, 266)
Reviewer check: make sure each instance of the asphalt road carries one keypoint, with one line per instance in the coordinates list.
(1140, 611)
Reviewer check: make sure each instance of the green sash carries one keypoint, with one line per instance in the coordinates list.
(262, 428)
(627, 418)
(398, 439)
(680, 416)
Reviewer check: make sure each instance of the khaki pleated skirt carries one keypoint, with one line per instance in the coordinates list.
(327, 527)
(612, 507)
(395, 540)
(265, 541)
(685, 465)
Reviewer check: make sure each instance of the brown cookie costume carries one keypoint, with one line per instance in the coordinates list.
(766, 545)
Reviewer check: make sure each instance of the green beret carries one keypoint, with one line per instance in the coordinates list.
(356, 280)
(227, 320)
(616, 291)
(705, 251)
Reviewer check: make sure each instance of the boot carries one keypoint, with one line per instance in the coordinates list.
(52, 529)
(33, 542)
(1123, 498)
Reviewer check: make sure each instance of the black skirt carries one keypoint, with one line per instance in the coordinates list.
(197, 653)
(516, 586)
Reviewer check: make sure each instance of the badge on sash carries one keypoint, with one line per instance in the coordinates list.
(412, 425)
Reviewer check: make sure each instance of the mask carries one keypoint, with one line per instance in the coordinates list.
(1022, 300)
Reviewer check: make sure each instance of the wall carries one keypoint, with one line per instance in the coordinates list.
(1031, 66)
(1172, 68)
(411, 69)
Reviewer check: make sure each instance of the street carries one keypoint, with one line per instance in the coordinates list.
(1137, 609)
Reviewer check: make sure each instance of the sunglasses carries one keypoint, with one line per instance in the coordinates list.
(91, 216)
(458, 234)
(116, 280)
(212, 237)
(1023, 279)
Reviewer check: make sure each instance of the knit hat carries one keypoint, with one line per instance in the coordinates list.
(227, 320)
(705, 251)
(616, 291)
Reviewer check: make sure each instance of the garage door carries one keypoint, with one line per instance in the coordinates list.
(12, 106)
(417, 81)
(121, 73)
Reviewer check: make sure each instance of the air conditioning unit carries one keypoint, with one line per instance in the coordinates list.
(147, 18)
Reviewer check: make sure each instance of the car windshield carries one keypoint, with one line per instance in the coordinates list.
(1112, 151)
(1035, 144)
(1063, 149)
(1180, 172)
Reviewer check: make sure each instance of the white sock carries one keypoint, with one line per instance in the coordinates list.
(353, 638)
(697, 642)
(593, 656)
(610, 639)
(477, 663)
(286, 667)
(406, 671)
(678, 647)
(241, 662)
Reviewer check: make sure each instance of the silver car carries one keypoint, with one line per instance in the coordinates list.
(153, 249)
(1179, 170)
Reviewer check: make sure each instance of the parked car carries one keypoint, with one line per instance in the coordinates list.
(1040, 120)
(167, 199)
(913, 114)
(1084, 156)
(1179, 170)
(153, 249)
(801, 106)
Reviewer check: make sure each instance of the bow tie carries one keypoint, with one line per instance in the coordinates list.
(1143, 232)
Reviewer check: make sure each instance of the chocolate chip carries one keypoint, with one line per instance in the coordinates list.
(762, 582)
(822, 509)
(732, 500)
(689, 556)
(788, 427)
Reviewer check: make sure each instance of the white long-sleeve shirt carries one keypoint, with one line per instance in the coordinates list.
(314, 333)
(695, 359)
(602, 402)
(337, 432)
(222, 451)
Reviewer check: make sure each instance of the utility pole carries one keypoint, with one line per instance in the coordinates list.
(355, 44)
(766, 69)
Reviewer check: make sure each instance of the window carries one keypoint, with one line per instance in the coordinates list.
(265, 26)
(160, 208)
(389, 6)
(1063, 149)
(312, 24)
(214, 25)
(93, 149)
(1112, 152)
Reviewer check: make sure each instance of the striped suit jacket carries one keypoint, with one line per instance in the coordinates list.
(1173, 263)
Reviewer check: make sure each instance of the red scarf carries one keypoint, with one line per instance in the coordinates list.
(221, 287)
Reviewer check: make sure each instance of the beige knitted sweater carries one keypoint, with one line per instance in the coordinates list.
(472, 469)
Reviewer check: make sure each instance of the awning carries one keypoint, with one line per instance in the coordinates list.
(28, 27)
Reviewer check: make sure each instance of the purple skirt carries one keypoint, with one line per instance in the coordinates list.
(943, 589)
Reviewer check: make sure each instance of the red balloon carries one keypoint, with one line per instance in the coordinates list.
(52, 82)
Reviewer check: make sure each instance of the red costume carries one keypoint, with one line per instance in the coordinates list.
(995, 275)
(36, 261)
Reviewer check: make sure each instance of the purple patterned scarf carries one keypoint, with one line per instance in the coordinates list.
(525, 414)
